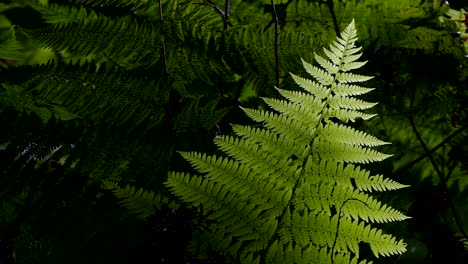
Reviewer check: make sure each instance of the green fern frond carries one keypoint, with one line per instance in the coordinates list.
(199, 114)
(251, 53)
(86, 90)
(138, 201)
(289, 192)
(57, 14)
(191, 22)
(14, 96)
(100, 36)
(10, 48)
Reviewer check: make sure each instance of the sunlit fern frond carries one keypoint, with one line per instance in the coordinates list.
(289, 192)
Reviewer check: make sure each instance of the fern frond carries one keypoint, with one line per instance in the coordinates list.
(288, 192)
(138, 201)
(106, 34)
(10, 48)
(14, 96)
(74, 90)
(251, 221)
(57, 14)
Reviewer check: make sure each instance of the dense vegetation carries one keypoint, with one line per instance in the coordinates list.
(96, 97)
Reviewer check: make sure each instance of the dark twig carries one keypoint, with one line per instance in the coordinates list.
(434, 149)
(162, 38)
(226, 13)
(277, 65)
(450, 170)
(113, 62)
(442, 180)
(280, 14)
(421, 141)
(331, 6)
(209, 3)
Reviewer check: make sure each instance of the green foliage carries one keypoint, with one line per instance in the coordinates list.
(86, 91)
(106, 90)
(288, 193)
(140, 202)
(10, 48)
(56, 14)
(76, 37)
(460, 18)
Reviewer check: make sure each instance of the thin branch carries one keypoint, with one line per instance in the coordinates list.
(226, 13)
(421, 141)
(331, 5)
(442, 180)
(213, 6)
(434, 149)
(162, 39)
(277, 65)
(450, 170)
(113, 62)
(282, 12)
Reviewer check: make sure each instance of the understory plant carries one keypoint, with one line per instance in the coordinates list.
(292, 190)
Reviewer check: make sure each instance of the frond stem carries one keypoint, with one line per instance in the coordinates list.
(338, 226)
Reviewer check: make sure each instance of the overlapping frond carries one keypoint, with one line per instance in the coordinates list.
(74, 90)
(100, 36)
(289, 192)
(138, 201)
(10, 48)
(57, 14)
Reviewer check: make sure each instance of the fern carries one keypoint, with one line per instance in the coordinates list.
(140, 202)
(10, 48)
(289, 193)
(107, 36)
(56, 14)
(71, 91)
